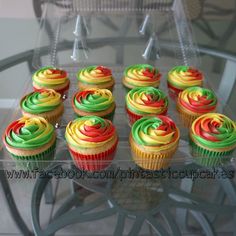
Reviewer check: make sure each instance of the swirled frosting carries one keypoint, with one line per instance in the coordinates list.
(214, 130)
(146, 100)
(141, 75)
(155, 132)
(49, 77)
(41, 101)
(89, 132)
(28, 133)
(93, 100)
(95, 75)
(198, 100)
(182, 77)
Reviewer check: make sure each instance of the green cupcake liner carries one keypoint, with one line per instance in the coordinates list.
(209, 158)
(39, 161)
(109, 116)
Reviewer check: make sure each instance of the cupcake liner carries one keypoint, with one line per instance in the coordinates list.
(39, 161)
(173, 92)
(134, 117)
(152, 161)
(109, 116)
(187, 119)
(209, 158)
(95, 162)
(83, 86)
(52, 117)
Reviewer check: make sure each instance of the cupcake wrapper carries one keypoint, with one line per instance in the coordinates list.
(39, 161)
(94, 162)
(109, 116)
(209, 158)
(83, 86)
(187, 119)
(134, 117)
(152, 161)
(173, 92)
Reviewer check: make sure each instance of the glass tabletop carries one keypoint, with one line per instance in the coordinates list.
(185, 198)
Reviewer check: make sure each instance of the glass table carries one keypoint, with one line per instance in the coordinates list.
(85, 204)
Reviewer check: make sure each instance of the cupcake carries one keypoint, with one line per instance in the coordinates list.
(92, 142)
(213, 138)
(141, 75)
(153, 141)
(194, 102)
(94, 102)
(95, 77)
(145, 101)
(30, 141)
(43, 103)
(51, 78)
(182, 77)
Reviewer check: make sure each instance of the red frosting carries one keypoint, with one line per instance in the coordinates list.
(60, 73)
(98, 132)
(207, 129)
(105, 71)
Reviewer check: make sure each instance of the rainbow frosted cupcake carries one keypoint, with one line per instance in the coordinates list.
(43, 103)
(182, 77)
(213, 138)
(145, 101)
(30, 141)
(92, 142)
(194, 102)
(95, 77)
(94, 102)
(153, 141)
(51, 78)
(141, 75)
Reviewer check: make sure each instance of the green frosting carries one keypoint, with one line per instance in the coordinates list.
(146, 100)
(214, 131)
(93, 100)
(40, 102)
(179, 69)
(140, 67)
(154, 131)
(29, 133)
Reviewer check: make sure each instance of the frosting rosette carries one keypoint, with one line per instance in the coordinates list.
(28, 133)
(49, 77)
(197, 100)
(156, 133)
(89, 132)
(93, 100)
(41, 101)
(141, 75)
(95, 75)
(182, 77)
(146, 100)
(214, 131)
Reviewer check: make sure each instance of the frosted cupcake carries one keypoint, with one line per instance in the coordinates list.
(145, 101)
(95, 77)
(182, 77)
(213, 138)
(95, 102)
(43, 103)
(51, 78)
(141, 75)
(153, 141)
(194, 102)
(92, 142)
(30, 141)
